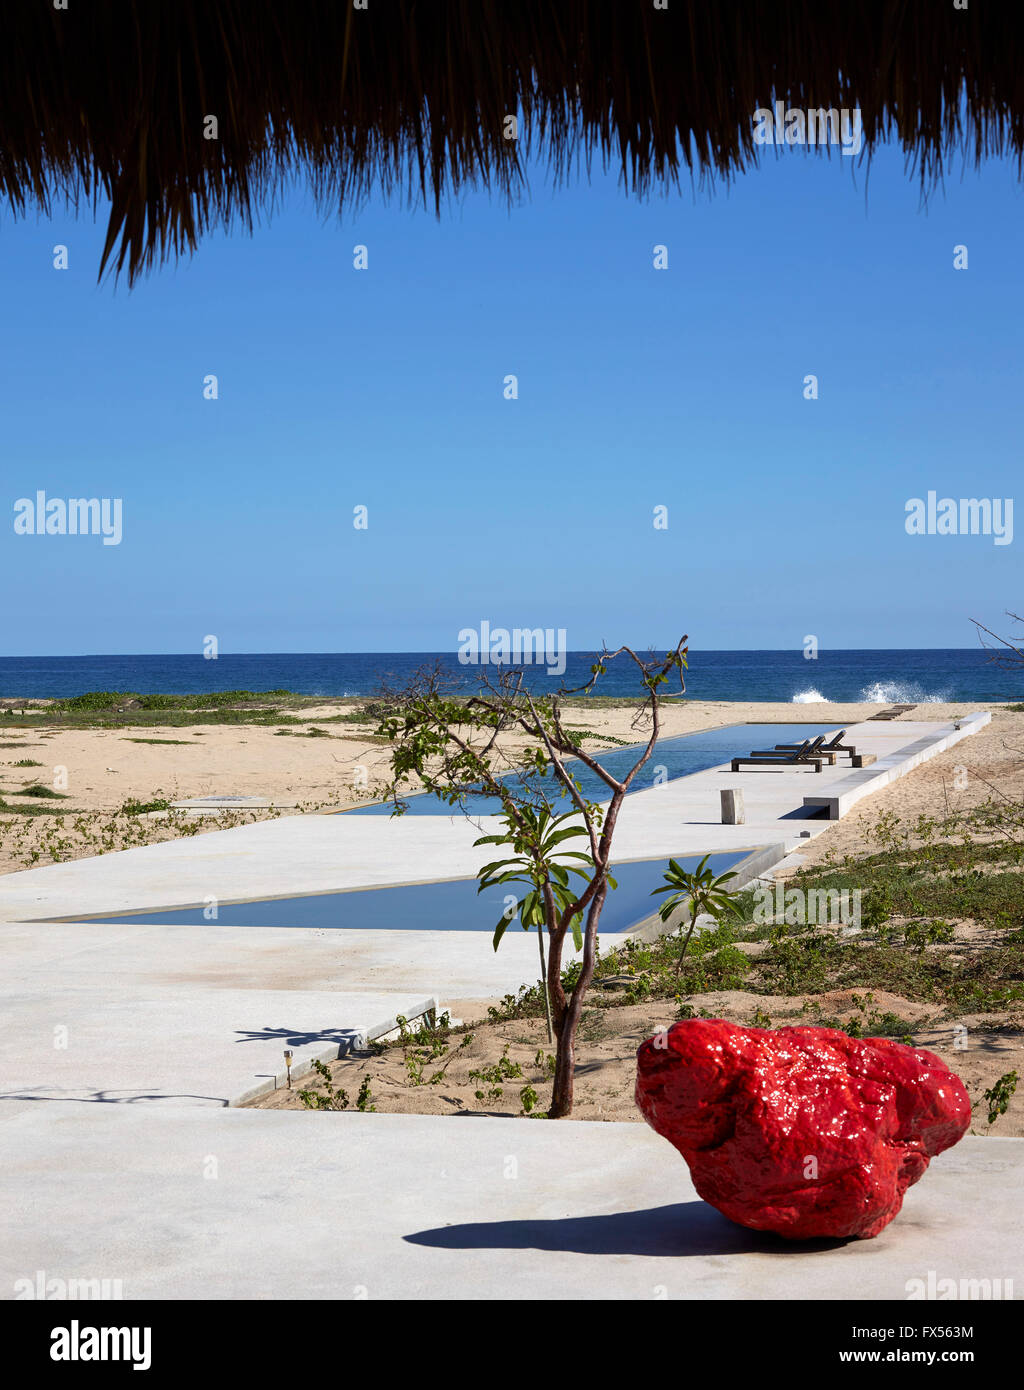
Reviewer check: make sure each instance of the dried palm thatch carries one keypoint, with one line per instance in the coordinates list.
(108, 100)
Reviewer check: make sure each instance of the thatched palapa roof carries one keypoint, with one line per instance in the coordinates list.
(107, 99)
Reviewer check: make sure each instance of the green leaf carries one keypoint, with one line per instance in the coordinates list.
(559, 835)
(531, 910)
(489, 869)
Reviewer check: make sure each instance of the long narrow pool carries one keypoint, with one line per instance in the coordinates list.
(453, 905)
(672, 757)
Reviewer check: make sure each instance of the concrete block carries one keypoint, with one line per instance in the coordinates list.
(732, 806)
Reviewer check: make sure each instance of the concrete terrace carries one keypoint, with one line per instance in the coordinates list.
(128, 1047)
(184, 1202)
(147, 1014)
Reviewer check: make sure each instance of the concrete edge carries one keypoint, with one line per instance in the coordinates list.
(842, 796)
(359, 1039)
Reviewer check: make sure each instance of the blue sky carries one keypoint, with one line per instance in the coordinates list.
(637, 388)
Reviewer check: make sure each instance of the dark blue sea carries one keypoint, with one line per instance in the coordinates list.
(910, 677)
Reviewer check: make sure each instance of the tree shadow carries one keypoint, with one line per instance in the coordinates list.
(682, 1228)
(347, 1040)
(127, 1096)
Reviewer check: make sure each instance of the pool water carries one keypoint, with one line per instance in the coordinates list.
(672, 757)
(453, 905)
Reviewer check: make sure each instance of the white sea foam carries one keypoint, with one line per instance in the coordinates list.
(898, 693)
(878, 693)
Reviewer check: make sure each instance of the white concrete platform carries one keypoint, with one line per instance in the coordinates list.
(197, 1203)
(307, 854)
(172, 1014)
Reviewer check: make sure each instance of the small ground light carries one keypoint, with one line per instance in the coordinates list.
(288, 1065)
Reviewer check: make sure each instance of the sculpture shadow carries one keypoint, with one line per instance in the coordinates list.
(679, 1229)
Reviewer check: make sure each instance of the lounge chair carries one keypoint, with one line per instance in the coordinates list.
(835, 745)
(822, 754)
(807, 755)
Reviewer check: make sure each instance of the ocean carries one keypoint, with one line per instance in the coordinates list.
(905, 677)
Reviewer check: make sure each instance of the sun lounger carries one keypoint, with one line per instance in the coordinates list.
(835, 745)
(807, 755)
(822, 754)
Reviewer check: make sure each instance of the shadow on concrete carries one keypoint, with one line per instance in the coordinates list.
(128, 1097)
(345, 1039)
(684, 1228)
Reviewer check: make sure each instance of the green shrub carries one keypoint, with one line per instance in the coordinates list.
(141, 808)
(329, 1098)
(998, 1095)
(96, 699)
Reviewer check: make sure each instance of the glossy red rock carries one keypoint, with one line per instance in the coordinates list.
(802, 1131)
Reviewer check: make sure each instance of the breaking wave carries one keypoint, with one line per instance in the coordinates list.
(898, 693)
(877, 693)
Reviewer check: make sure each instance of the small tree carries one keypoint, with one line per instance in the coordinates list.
(511, 745)
(540, 867)
(701, 891)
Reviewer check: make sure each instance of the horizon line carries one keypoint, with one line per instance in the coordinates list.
(437, 651)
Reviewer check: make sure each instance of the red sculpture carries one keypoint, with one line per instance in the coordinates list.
(802, 1131)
